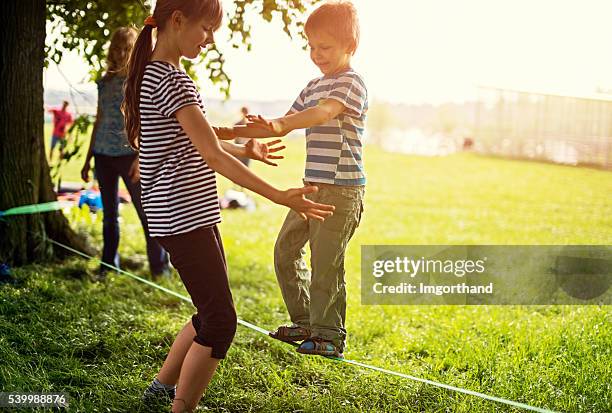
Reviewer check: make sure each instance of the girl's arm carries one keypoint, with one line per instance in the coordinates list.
(234, 149)
(255, 150)
(92, 141)
(203, 137)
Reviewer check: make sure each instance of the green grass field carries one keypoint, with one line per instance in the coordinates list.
(103, 343)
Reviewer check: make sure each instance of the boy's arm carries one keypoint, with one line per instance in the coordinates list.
(252, 131)
(242, 131)
(246, 131)
(325, 111)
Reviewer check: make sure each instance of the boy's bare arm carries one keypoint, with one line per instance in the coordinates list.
(253, 131)
(243, 131)
(327, 110)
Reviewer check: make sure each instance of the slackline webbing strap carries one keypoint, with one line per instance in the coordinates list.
(35, 208)
(355, 363)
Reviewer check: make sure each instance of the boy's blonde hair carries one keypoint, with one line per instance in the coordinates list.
(338, 18)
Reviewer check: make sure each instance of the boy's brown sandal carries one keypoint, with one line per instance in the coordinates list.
(291, 334)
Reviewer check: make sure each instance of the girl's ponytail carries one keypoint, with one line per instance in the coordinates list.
(141, 54)
(143, 49)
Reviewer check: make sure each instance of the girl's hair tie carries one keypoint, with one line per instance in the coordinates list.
(150, 21)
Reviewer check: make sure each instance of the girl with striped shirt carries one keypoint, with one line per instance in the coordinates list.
(179, 154)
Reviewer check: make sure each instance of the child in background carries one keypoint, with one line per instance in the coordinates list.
(114, 158)
(179, 154)
(61, 120)
(332, 109)
(244, 111)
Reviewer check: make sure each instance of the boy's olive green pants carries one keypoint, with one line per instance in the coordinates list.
(317, 300)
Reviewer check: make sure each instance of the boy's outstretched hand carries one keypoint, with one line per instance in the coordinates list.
(274, 125)
(294, 199)
(263, 151)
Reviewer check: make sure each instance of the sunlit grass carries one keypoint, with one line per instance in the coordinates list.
(102, 343)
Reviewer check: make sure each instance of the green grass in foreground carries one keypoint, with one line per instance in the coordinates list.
(103, 343)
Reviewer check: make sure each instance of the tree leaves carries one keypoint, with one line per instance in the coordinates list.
(86, 26)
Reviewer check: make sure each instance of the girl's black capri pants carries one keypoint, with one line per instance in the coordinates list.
(200, 260)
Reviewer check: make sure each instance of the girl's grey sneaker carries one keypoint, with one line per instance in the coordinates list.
(159, 394)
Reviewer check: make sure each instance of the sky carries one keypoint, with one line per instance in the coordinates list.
(428, 51)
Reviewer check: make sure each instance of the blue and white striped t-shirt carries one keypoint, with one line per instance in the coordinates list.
(334, 149)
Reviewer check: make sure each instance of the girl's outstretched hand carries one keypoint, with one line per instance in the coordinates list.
(273, 125)
(263, 151)
(294, 199)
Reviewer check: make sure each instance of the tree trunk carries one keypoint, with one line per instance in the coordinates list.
(24, 171)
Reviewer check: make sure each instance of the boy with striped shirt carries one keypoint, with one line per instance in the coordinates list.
(332, 109)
